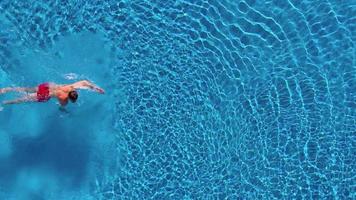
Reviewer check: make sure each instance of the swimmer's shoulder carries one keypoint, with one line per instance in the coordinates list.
(65, 88)
(61, 95)
(60, 91)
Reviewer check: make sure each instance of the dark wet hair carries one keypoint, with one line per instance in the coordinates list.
(73, 96)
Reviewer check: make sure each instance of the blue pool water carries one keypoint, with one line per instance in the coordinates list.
(206, 99)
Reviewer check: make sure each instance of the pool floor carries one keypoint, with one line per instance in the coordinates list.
(205, 99)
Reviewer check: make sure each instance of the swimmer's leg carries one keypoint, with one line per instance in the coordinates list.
(17, 89)
(28, 98)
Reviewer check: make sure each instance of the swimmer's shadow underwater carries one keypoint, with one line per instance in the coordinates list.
(66, 147)
(56, 149)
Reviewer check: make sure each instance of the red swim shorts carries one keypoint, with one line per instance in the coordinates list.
(43, 92)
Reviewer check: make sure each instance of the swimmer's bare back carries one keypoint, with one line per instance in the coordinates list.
(45, 91)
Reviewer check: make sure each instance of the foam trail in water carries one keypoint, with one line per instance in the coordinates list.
(70, 76)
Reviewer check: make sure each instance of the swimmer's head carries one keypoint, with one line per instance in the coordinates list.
(73, 96)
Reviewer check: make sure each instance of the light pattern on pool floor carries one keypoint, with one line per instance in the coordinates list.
(213, 99)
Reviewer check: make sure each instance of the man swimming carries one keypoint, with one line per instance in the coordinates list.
(45, 91)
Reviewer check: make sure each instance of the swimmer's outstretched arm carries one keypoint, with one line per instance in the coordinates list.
(87, 85)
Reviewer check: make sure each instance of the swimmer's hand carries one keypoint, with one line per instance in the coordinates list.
(95, 88)
(99, 90)
(63, 109)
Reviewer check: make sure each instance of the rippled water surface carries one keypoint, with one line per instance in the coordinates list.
(216, 99)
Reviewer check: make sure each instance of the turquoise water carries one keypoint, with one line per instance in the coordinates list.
(208, 99)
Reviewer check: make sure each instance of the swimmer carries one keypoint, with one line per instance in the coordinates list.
(45, 91)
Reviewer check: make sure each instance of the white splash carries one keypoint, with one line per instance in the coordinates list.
(70, 76)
